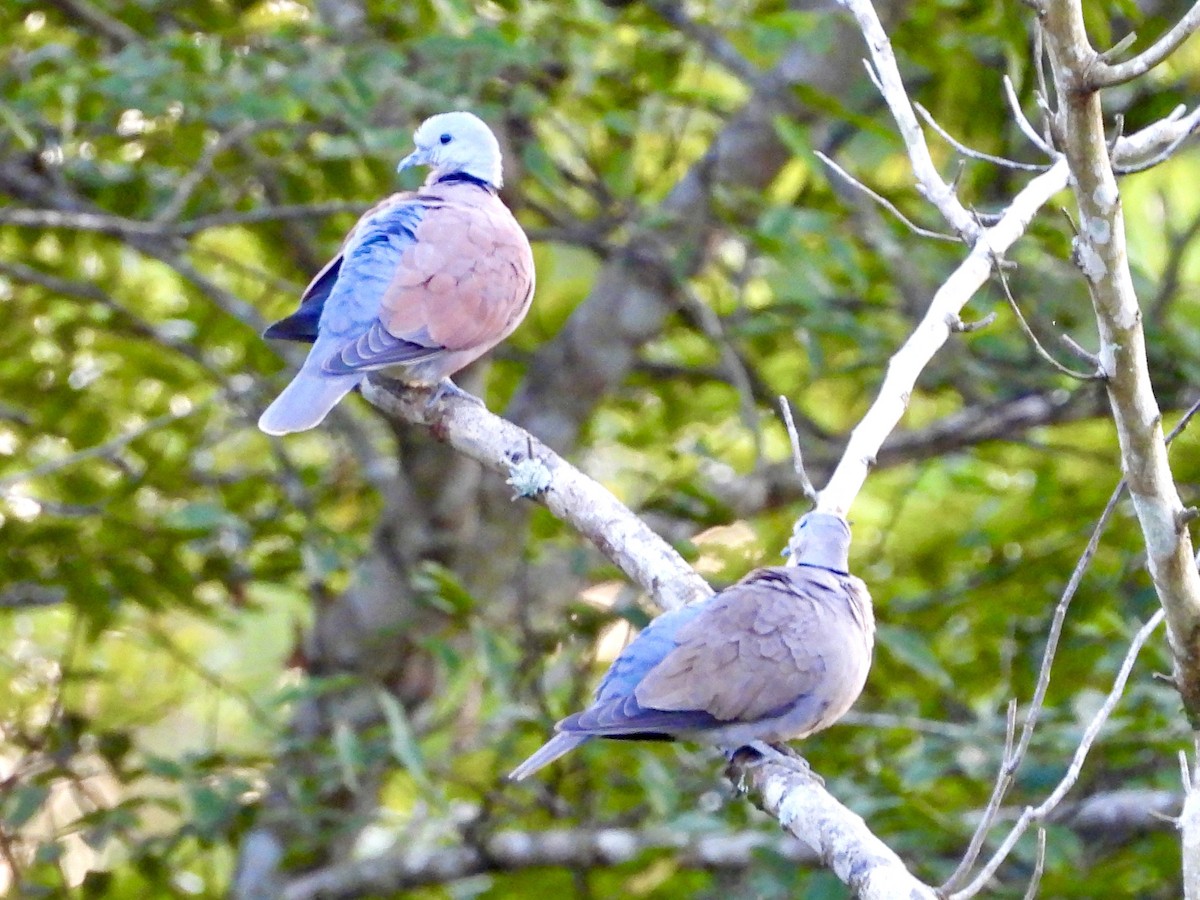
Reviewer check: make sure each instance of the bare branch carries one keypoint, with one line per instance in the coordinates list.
(933, 330)
(119, 226)
(1038, 866)
(806, 484)
(1119, 47)
(841, 839)
(1154, 137)
(573, 497)
(1101, 251)
(1038, 814)
(1012, 759)
(883, 201)
(972, 153)
(1037, 345)
(1189, 827)
(887, 76)
(1014, 756)
(25, 595)
(1023, 123)
(1163, 155)
(99, 451)
(1101, 74)
(189, 182)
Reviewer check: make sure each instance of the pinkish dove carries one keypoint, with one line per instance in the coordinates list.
(425, 283)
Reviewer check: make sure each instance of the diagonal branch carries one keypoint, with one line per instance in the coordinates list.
(539, 473)
(887, 74)
(928, 337)
(1102, 74)
(840, 837)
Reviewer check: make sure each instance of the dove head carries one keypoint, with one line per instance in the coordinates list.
(456, 142)
(822, 540)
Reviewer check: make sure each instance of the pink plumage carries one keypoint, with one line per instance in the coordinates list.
(425, 283)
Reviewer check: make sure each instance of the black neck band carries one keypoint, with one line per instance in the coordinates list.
(463, 177)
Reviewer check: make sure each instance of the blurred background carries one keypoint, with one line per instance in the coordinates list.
(221, 651)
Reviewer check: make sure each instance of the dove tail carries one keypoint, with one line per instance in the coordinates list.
(305, 402)
(559, 745)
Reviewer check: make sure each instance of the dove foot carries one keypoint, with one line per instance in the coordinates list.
(447, 388)
(783, 755)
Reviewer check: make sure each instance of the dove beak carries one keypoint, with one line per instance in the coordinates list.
(416, 158)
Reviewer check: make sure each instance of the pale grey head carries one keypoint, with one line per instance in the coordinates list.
(456, 142)
(823, 540)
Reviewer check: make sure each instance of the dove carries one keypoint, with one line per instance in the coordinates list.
(776, 657)
(425, 283)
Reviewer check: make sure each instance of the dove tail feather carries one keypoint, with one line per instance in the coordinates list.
(559, 745)
(305, 402)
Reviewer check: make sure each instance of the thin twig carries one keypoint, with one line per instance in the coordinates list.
(120, 226)
(1119, 47)
(1082, 352)
(1158, 158)
(1038, 814)
(958, 326)
(968, 151)
(1023, 123)
(1038, 866)
(1012, 762)
(884, 202)
(886, 74)
(1037, 345)
(1043, 89)
(1103, 75)
(107, 449)
(806, 485)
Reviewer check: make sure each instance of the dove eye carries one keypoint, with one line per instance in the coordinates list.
(445, 139)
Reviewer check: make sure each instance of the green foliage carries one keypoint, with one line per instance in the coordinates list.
(179, 555)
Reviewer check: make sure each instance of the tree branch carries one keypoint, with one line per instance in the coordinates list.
(933, 330)
(1189, 827)
(510, 851)
(1100, 251)
(539, 473)
(1101, 74)
(930, 183)
(840, 838)
(1038, 814)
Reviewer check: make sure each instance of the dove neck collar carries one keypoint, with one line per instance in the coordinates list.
(465, 178)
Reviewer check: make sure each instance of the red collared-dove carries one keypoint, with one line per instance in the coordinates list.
(778, 656)
(424, 284)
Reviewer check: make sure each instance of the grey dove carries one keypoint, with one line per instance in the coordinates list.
(778, 656)
(425, 283)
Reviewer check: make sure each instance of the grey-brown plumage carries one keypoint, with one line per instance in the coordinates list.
(778, 656)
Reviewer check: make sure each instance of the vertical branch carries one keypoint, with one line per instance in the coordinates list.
(1189, 826)
(1101, 254)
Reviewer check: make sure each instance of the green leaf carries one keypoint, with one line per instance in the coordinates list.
(908, 647)
(403, 742)
(23, 802)
(348, 750)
